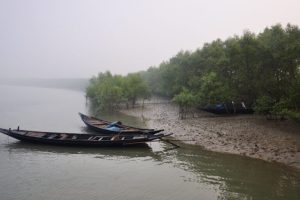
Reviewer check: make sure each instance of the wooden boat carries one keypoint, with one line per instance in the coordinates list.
(228, 108)
(107, 127)
(74, 139)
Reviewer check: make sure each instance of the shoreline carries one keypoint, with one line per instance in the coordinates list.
(246, 135)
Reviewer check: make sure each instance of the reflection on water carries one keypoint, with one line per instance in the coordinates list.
(230, 176)
(141, 150)
(238, 177)
(151, 171)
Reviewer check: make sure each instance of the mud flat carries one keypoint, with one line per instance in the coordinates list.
(248, 135)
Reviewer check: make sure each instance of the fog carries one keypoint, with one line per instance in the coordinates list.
(78, 39)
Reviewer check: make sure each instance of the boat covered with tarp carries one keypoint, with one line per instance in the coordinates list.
(228, 108)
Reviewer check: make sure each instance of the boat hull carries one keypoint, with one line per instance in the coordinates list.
(134, 140)
(87, 121)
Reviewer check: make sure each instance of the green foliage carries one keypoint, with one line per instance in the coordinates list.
(134, 88)
(264, 105)
(294, 94)
(108, 92)
(153, 79)
(261, 70)
(212, 90)
(293, 115)
(258, 69)
(185, 98)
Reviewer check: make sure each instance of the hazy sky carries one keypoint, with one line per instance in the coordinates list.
(79, 38)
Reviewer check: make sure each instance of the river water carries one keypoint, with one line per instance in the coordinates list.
(153, 171)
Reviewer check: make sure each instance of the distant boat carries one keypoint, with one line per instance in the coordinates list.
(107, 127)
(228, 108)
(74, 139)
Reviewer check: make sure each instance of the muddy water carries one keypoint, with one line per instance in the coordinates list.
(153, 171)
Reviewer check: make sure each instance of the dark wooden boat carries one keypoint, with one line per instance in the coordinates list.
(107, 127)
(74, 139)
(228, 108)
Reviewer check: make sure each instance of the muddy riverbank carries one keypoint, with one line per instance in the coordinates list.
(248, 135)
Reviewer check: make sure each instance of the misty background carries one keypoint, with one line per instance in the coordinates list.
(58, 39)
